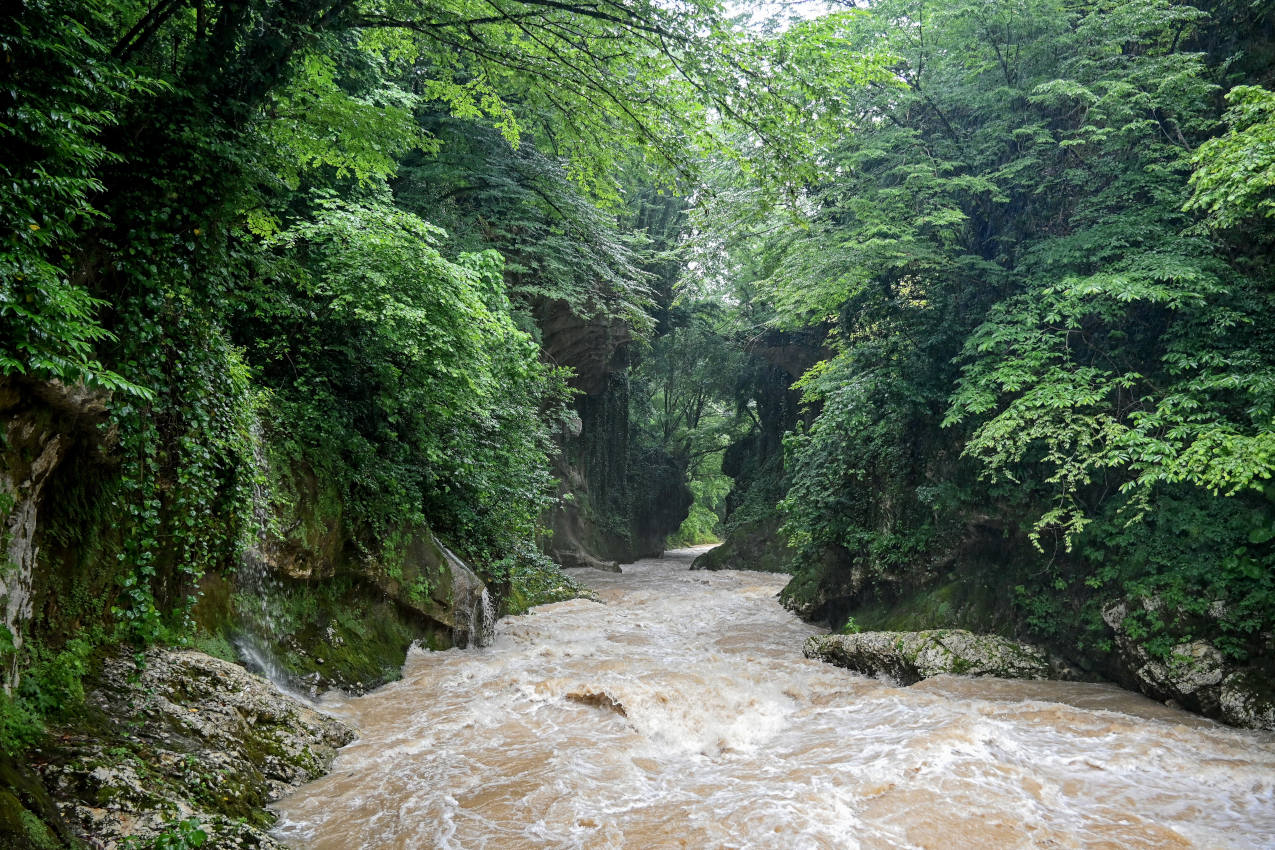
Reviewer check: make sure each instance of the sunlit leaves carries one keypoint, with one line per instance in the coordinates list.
(1235, 172)
(314, 122)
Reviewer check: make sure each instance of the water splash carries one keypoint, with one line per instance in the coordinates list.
(682, 714)
(482, 620)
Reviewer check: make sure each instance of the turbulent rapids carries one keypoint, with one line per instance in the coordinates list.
(678, 711)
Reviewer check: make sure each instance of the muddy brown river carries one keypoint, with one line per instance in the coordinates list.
(678, 712)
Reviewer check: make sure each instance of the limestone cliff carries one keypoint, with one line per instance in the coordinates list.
(619, 499)
(182, 743)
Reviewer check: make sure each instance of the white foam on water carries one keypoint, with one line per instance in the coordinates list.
(681, 713)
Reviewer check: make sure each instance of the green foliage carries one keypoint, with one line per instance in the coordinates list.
(532, 579)
(703, 524)
(681, 400)
(1235, 173)
(187, 474)
(558, 245)
(348, 121)
(1029, 332)
(20, 727)
(1036, 286)
(51, 689)
(402, 376)
(157, 151)
(61, 90)
(1198, 564)
(185, 834)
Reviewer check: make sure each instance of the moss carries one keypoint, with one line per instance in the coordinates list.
(756, 545)
(216, 645)
(339, 633)
(802, 589)
(307, 527)
(19, 827)
(530, 586)
(965, 602)
(28, 818)
(37, 832)
(435, 642)
(215, 608)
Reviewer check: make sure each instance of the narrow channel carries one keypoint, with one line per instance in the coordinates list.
(677, 711)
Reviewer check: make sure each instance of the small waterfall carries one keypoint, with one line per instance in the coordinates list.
(472, 605)
(261, 621)
(482, 620)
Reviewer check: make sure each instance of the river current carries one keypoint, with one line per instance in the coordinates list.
(678, 712)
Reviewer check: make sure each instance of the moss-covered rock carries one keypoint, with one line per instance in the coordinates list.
(758, 545)
(1194, 674)
(820, 590)
(530, 586)
(184, 736)
(311, 605)
(309, 543)
(29, 819)
(972, 601)
(909, 657)
(335, 637)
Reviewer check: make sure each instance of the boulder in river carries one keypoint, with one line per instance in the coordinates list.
(909, 657)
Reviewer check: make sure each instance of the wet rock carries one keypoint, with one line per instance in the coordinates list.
(1195, 674)
(909, 657)
(185, 736)
(1247, 698)
(756, 545)
(1189, 668)
(824, 587)
(581, 560)
(40, 422)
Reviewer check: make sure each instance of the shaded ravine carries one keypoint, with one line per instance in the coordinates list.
(679, 712)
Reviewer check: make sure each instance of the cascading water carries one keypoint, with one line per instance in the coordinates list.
(260, 593)
(679, 712)
(482, 620)
(474, 611)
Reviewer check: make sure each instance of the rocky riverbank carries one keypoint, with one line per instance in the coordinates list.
(1196, 676)
(179, 744)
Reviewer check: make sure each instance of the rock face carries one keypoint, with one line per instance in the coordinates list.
(1195, 675)
(619, 499)
(312, 605)
(40, 423)
(758, 545)
(755, 461)
(187, 736)
(419, 573)
(909, 657)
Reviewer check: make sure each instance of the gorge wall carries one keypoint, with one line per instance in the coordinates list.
(755, 462)
(309, 604)
(619, 498)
